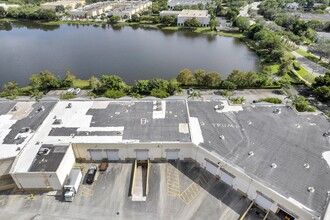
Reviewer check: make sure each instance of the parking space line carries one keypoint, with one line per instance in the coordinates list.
(172, 180)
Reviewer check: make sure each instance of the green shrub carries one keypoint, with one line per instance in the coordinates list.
(271, 100)
(237, 100)
(296, 66)
(159, 93)
(67, 96)
(114, 94)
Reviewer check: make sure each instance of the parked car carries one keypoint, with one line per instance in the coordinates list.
(91, 174)
(103, 166)
(76, 91)
(70, 91)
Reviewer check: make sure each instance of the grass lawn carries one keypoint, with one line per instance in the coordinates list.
(231, 34)
(80, 83)
(304, 73)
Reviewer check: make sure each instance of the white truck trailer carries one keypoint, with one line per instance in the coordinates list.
(72, 184)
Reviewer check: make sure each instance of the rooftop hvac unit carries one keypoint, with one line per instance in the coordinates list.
(311, 189)
(43, 151)
(58, 121)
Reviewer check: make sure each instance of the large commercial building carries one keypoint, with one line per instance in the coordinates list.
(123, 9)
(270, 154)
(172, 3)
(200, 15)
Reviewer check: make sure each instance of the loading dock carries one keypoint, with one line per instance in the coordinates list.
(112, 155)
(96, 155)
(263, 201)
(140, 181)
(142, 154)
(172, 154)
(211, 167)
(226, 177)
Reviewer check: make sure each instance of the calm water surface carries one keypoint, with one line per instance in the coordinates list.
(132, 53)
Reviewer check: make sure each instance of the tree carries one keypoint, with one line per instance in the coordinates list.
(199, 76)
(301, 104)
(68, 80)
(2, 12)
(173, 86)
(228, 85)
(242, 24)
(44, 80)
(322, 93)
(157, 83)
(321, 48)
(315, 24)
(142, 87)
(113, 82)
(135, 18)
(168, 20)
(322, 80)
(185, 77)
(60, 8)
(193, 22)
(11, 90)
(212, 79)
(114, 19)
(94, 83)
(213, 24)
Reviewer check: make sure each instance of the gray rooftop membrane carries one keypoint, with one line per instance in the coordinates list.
(287, 139)
(132, 115)
(64, 131)
(6, 106)
(49, 162)
(33, 121)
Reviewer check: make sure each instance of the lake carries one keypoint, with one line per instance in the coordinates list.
(131, 52)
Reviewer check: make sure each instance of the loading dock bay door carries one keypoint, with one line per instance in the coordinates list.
(212, 168)
(226, 177)
(172, 154)
(142, 154)
(96, 155)
(263, 202)
(112, 155)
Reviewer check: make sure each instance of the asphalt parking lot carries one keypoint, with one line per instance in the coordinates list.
(177, 191)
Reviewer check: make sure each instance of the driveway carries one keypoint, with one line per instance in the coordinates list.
(309, 65)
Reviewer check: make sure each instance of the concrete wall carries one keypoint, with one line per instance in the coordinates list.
(128, 151)
(31, 180)
(66, 165)
(242, 182)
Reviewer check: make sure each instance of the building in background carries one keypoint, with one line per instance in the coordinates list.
(66, 4)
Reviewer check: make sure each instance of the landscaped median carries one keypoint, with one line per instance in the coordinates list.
(302, 73)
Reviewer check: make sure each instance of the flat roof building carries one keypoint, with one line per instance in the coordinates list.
(66, 4)
(276, 157)
(172, 3)
(200, 15)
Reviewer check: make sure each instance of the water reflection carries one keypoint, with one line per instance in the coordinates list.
(130, 51)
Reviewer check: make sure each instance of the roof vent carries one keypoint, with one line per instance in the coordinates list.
(69, 105)
(306, 165)
(277, 111)
(274, 165)
(57, 121)
(326, 134)
(222, 137)
(311, 189)
(43, 151)
(251, 153)
(249, 122)
(298, 125)
(18, 149)
(14, 108)
(42, 108)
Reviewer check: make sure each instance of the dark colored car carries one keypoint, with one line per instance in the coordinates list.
(91, 174)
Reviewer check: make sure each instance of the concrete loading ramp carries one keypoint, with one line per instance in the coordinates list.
(140, 180)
